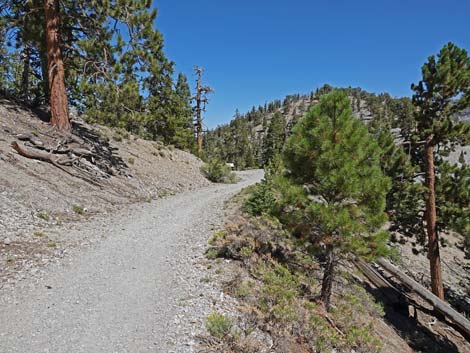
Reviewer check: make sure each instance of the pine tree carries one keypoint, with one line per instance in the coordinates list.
(184, 128)
(443, 91)
(337, 184)
(274, 138)
(116, 74)
(55, 67)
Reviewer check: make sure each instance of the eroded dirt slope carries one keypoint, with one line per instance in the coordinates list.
(39, 202)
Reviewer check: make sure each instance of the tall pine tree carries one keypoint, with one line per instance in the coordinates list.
(443, 92)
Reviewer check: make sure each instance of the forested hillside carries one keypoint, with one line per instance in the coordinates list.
(104, 58)
(252, 139)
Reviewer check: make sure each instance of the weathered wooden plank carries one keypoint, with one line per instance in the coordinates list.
(439, 305)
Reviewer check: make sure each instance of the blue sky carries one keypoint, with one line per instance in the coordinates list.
(259, 50)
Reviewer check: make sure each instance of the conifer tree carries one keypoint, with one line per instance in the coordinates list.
(275, 137)
(443, 91)
(55, 67)
(337, 184)
(184, 128)
(116, 74)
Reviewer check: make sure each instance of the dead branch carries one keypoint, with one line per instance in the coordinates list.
(439, 305)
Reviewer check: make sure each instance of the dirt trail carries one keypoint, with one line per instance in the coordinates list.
(121, 295)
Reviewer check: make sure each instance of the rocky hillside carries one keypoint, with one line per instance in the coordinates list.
(39, 198)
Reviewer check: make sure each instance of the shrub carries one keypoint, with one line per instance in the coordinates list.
(43, 215)
(261, 201)
(78, 209)
(218, 325)
(219, 234)
(212, 254)
(217, 172)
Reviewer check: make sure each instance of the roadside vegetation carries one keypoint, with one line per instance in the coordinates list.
(327, 196)
(286, 287)
(278, 285)
(218, 172)
(417, 138)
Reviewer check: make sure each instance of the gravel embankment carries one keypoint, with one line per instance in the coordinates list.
(140, 289)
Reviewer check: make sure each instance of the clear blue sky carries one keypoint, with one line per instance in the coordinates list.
(259, 50)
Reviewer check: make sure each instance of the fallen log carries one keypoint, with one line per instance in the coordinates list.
(393, 295)
(439, 305)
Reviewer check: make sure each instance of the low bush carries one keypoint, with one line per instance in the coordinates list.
(78, 209)
(261, 201)
(218, 325)
(43, 215)
(217, 172)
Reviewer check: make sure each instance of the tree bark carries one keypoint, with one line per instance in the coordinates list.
(433, 237)
(328, 275)
(55, 68)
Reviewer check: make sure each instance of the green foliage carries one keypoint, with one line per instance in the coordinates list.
(121, 80)
(263, 198)
(232, 144)
(284, 282)
(332, 153)
(183, 131)
(218, 325)
(217, 172)
(275, 137)
(443, 93)
(260, 201)
(39, 234)
(243, 290)
(246, 252)
(43, 215)
(266, 128)
(404, 200)
(453, 199)
(78, 209)
(219, 234)
(338, 188)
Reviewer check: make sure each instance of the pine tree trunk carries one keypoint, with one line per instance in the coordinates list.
(55, 68)
(328, 275)
(433, 237)
(26, 56)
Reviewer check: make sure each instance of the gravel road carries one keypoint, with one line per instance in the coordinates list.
(140, 289)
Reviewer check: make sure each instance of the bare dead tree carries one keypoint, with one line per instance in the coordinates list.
(201, 100)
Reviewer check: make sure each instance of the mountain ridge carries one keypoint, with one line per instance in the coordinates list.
(242, 141)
